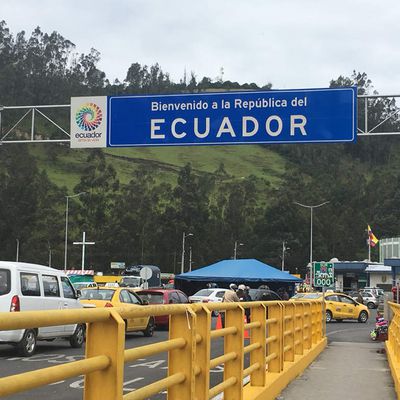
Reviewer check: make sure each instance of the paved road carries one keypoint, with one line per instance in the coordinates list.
(140, 372)
(352, 367)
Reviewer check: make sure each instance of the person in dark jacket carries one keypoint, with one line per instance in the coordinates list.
(244, 295)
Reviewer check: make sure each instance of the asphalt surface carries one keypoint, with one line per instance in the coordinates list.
(143, 371)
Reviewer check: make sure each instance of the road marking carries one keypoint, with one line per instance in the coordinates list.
(149, 364)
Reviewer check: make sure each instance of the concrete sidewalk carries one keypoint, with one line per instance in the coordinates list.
(349, 371)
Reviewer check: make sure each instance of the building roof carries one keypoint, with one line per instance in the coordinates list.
(378, 269)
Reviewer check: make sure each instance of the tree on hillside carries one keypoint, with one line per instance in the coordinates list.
(29, 209)
(100, 184)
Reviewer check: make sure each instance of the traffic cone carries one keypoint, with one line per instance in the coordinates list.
(246, 331)
(219, 322)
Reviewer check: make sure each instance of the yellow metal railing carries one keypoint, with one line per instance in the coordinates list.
(284, 338)
(393, 346)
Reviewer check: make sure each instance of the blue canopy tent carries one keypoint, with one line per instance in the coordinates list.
(251, 272)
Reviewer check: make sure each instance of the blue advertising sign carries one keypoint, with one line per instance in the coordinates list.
(277, 116)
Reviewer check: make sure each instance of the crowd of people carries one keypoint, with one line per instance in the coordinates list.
(238, 293)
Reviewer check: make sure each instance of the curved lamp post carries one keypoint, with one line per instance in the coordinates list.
(311, 233)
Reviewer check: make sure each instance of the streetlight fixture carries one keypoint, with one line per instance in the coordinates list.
(66, 227)
(236, 248)
(311, 232)
(183, 250)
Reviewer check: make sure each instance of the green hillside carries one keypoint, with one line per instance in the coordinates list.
(65, 168)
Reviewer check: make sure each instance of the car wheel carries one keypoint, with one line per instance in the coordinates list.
(328, 316)
(27, 346)
(149, 331)
(363, 317)
(370, 305)
(78, 338)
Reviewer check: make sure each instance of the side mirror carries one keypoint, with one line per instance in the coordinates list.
(78, 293)
(145, 302)
(171, 302)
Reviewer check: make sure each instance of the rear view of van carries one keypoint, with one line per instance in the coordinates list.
(32, 287)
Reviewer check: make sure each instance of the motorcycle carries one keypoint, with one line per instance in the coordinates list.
(380, 332)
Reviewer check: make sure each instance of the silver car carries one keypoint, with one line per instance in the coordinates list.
(369, 299)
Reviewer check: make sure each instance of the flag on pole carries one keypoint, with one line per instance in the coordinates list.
(372, 239)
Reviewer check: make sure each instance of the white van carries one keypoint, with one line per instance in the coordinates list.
(31, 287)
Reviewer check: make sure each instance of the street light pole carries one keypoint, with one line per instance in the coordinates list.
(66, 228)
(235, 249)
(183, 250)
(311, 233)
(17, 256)
(284, 248)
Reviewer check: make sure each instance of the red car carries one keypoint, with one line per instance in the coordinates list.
(163, 296)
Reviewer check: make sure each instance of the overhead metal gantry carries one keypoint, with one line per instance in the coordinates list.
(19, 124)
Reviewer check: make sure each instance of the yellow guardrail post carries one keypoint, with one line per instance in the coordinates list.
(182, 360)
(307, 327)
(259, 335)
(276, 329)
(298, 328)
(393, 346)
(314, 322)
(288, 331)
(106, 337)
(234, 344)
(202, 357)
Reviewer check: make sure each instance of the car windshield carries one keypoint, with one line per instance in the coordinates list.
(152, 297)
(81, 285)
(97, 294)
(4, 281)
(203, 292)
(298, 295)
(312, 296)
(131, 281)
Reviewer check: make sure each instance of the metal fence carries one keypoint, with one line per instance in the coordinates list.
(284, 337)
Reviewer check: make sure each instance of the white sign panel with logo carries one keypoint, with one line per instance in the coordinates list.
(89, 122)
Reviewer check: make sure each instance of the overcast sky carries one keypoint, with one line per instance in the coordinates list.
(289, 43)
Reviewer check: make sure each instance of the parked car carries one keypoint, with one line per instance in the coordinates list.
(377, 292)
(162, 296)
(32, 287)
(368, 298)
(212, 295)
(82, 285)
(119, 297)
(208, 295)
(264, 295)
(338, 306)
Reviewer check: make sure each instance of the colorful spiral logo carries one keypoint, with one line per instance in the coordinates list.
(89, 117)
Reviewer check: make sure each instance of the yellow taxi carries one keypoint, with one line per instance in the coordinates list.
(338, 306)
(104, 296)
